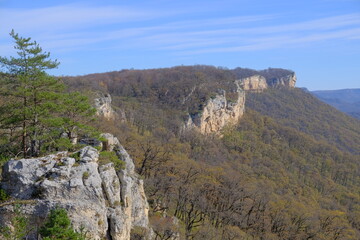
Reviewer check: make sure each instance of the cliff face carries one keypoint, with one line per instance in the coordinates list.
(219, 112)
(286, 81)
(254, 83)
(106, 203)
(103, 107)
(258, 83)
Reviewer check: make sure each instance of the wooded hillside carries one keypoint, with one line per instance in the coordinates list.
(289, 170)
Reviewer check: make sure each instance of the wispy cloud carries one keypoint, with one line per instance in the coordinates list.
(70, 16)
(74, 27)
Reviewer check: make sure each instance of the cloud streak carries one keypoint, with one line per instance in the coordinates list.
(75, 27)
(67, 16)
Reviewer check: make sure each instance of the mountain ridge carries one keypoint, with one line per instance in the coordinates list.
(345, 100)
(288, 169)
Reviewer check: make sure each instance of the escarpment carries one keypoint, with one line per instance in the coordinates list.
(219, 112)
(105, 201)
(201, 98)
(256, 83)
(287, 81)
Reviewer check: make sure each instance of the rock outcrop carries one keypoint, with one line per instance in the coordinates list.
(103, 107)
(217, 113)
(258, 83)
(254, 83)
(106, 203)
(286, 81)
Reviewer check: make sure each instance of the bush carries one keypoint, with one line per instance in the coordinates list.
(75, 155)
(20, 226)
(86, 175)
(108, 157)
(3, 195)
(138, 233)
(58, 226)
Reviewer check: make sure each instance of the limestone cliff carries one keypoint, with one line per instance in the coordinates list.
(258, 83)
(105, 202)
(286, 81)
(254, 83)
(217, 113)
(103, 107)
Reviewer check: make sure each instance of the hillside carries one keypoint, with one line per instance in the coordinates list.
(345, 100)
(300, 110)
(289, 169)
(226, 154)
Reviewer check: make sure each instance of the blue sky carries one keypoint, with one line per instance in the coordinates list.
(318, 39)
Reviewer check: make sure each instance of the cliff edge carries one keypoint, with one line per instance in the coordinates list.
(219, 111)
(106, 202)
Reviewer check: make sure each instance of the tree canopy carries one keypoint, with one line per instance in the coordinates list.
(34, 106)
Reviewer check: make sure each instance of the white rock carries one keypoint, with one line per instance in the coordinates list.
(96, 197)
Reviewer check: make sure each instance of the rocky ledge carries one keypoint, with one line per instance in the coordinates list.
(104, 202)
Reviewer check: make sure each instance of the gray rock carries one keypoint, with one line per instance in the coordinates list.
(89, 154)
(110, 141)
(103, 107)
(105, 203)
(217, 113)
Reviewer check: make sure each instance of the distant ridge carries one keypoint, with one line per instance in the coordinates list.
(345, 100)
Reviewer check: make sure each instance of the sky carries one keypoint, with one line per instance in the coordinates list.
(318, 39)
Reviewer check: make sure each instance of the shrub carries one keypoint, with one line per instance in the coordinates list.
(86, 175)
(58, 226)
(3, 195)
(108, 157)
(20, 227)
(76, 156)
(138, 233)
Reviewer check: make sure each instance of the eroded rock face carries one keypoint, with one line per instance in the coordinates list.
(106, 203)
(286, 81)
(217, 113)
(103, 107)
(254, 83)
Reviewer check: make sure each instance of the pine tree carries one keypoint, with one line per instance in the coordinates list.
(35, 112)
(58, 226)
(30, 93)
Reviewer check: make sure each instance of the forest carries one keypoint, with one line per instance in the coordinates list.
(288, 170)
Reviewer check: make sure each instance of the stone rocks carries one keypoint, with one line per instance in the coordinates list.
(286, 81)
(103, 107)
(254, 83)
(110, 142)
(217, 113)
(106, 203)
